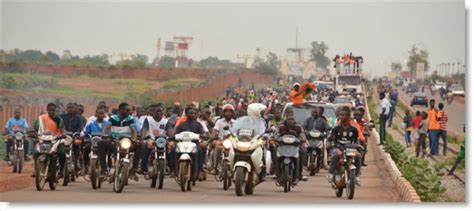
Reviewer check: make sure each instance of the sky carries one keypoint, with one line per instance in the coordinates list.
(381, 32)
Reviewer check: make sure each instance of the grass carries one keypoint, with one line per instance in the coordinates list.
(179, 83)
(2, 148)
(449, 161)
(126, 88)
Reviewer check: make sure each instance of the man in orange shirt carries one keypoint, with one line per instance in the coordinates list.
(433, 128)
(296, 95)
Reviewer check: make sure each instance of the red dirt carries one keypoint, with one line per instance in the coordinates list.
(10, 181)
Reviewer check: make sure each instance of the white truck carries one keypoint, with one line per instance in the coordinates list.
(348, 83)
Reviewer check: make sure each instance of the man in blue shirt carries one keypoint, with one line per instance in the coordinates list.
(16, 124)
(96, 126)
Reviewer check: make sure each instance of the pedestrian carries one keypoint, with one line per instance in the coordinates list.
(443, 120)
(408, 126)
(460, 157)
(393, 106)
(433, 128)
(383, 112)
(422, 131)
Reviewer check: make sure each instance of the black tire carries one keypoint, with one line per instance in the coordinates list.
(40, 181)
(21, 157)
(339, 192)
(121, 176)
(225, 176)
(182, 172)
(249, 188)
(161, 173)
(312, 169)
(239, 180)
(13, 159)
(93, 173)
(350, 189)
(154, 176)
(285, 177)
(53, 168)
(190, 185)
(67, 175)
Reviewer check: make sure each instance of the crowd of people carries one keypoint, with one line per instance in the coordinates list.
(208, 119)
(348, 64)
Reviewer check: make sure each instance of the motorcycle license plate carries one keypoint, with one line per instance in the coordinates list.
(45, 148)
(351, 152)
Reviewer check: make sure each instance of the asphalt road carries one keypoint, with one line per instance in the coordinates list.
(376, 188)
(456, 110)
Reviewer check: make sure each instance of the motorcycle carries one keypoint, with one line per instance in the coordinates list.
(315, 155)
(47, 163)
(187, 157)
(119, 173)
(156, 161)
(246, 156)
(94, 139)
(288, 158)
(450, 97)
(17, 153)
(345, 174)
(70, 173)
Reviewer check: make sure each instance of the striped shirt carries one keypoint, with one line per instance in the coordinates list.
(443, 119)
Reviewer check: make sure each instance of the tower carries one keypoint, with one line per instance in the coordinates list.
(182, 50)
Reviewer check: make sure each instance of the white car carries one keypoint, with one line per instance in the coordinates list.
(457, 90)
(438, 86)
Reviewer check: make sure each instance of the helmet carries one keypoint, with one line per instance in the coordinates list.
(254, 109)
(228, 107)
(361, 108)
(296, 84)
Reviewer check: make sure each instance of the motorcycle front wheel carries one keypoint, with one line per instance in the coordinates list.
(312, 164)
(161, 173)
(121, 177)
(93, 173)
(183, 175)
(54, 169)
(41, 169)
(286, 177)
(351, 184)
(67, 175)
(240, 173)
(21, 157)
(225, 176)
(154, 175)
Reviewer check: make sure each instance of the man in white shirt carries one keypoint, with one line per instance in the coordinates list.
(153, 126)
(384, 110)
(220, 130)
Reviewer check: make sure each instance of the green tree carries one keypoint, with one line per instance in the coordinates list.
(318, 54)
(271, 65)
(396, 66)
(415, 56)
(167, 62)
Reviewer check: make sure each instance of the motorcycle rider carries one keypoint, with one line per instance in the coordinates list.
(359, 123)
(219, 130)
(16, 124)
(343, 131)
(52, 123)
(73, 123)
(191, 124)
(153, 126)
(96, 126)
(121, 125)
(316, 122)
(290, 127)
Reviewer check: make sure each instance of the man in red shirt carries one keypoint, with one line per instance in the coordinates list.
(417, 119)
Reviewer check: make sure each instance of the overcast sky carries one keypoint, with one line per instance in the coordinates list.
(381, 32)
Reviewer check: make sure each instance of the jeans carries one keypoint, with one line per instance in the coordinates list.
(455, 165)
(62, 157)
(390, 116)
(103, 148)
(146, 154)
(421, 145)
(383, 122)
(26, 147)
(444, 135)
(336, 154)
(434, 138)
(408, 137)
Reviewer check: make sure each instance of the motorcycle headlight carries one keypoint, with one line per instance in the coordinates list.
(243, 146)
(18, 136)
(67, 141)
(288, 140)
(315, 134)
(161, 143)
(95, 141)
(227, 144)
(125, 143)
